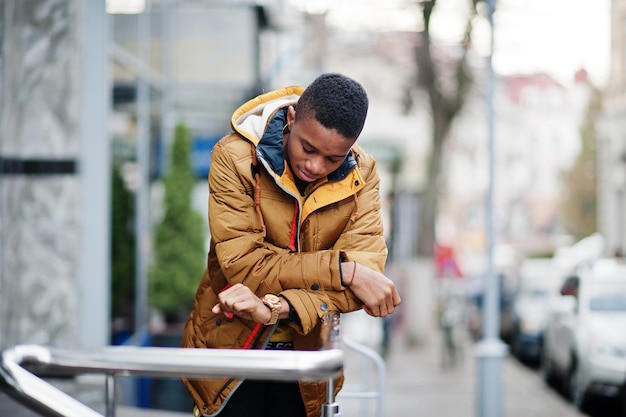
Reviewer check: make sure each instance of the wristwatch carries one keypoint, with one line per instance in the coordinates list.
(273, 302)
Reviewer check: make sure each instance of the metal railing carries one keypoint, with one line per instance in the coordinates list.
(364, 389)
(113, 361)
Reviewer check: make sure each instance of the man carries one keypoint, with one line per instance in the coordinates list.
(296, 232)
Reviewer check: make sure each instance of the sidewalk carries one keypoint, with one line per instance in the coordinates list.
(417, 385)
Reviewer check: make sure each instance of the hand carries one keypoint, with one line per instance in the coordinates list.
(240, 300)
(377, 292)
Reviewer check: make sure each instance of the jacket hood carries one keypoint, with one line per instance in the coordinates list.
(251, 118)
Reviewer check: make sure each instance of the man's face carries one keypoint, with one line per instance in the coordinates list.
(313, 151)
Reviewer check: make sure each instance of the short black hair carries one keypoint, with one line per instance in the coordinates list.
(337, 102)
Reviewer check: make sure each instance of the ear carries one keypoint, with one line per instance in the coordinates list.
(291, 116)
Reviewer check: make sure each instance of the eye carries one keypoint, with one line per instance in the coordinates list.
(307, 150)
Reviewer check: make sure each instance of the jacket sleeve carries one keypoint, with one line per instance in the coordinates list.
(245, 257)
(363, 240)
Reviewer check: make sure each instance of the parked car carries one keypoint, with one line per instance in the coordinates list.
(585, 339)
(538, 279)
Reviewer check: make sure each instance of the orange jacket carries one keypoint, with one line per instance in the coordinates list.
(306, 239)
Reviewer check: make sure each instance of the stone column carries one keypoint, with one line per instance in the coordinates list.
(42, 238)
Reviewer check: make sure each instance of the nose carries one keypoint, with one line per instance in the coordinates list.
(315, 166)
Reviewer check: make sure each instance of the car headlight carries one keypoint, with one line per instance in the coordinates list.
(600, 347)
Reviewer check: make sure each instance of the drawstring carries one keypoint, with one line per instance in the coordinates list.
(355, 210)
(294, 229)
(257, 188)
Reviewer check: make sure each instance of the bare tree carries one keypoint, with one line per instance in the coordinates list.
(579, 212)
(446, 79)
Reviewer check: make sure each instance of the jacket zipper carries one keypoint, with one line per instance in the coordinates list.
(295, 197)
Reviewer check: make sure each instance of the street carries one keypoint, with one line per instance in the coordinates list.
(417, 384)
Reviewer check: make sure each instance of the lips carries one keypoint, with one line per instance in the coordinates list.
(306, 177)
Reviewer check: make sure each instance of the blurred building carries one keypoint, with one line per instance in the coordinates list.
(612, 141)
(200, 60)
(537, 131)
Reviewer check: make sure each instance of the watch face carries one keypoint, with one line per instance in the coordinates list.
(271, 298)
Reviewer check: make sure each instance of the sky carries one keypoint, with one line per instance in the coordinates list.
(553, 36)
